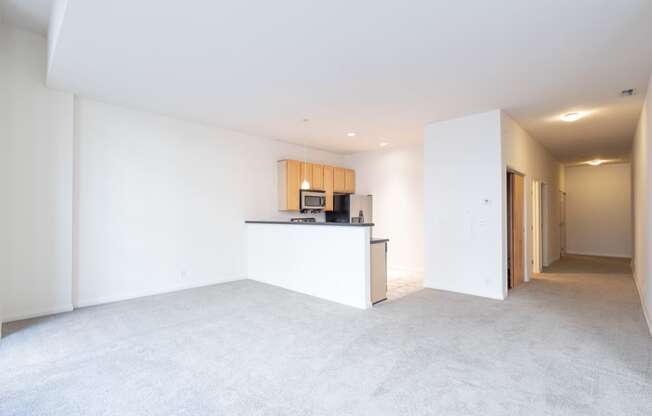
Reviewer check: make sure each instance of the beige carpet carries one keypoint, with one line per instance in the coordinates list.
(563, 344)
(574, 263)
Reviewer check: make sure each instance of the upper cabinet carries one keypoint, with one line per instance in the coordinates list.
(289, 184)
(339, 181)
(291, 173)
(317, 182)
(349, 181)
(328, 186)
(306, 173)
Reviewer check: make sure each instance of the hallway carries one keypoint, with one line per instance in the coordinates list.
(574, 263)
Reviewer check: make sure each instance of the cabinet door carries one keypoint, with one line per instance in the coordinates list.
(328, 187)
(349, 181)
(293, 184)
(317, 177)
(306, 173)
(339, 184)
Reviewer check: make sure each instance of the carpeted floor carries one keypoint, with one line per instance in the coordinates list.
(563, 344)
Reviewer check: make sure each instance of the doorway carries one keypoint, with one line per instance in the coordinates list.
(515, 230)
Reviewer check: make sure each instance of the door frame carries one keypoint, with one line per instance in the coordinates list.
(562, 223)
(537, 227)
(507, 227)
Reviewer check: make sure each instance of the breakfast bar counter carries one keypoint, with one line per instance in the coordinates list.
(326, 260)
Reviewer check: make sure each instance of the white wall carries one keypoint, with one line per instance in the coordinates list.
(523, 154)
(154, 204)
(36, 126)
(394, 176)
(598, 210)
(293, 257)
(642, 208)
(162, 202)
(462, 202)
(466, 163)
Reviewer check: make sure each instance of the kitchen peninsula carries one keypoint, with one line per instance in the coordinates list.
(331, 261)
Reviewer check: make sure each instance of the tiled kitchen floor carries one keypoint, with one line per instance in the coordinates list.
(401, 283)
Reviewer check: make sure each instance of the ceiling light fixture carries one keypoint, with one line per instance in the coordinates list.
(383, 144)
(350, 134)
(596, 162)
(628, 92)
(572, 116)
(305, 185)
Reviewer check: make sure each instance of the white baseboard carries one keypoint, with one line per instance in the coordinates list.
(646, 313)
(465, 291)
(550, 261)
(36, 313)
(616, 256)
(140, 294)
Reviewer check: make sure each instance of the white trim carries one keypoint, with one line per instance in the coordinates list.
(552, 260)
(36, 313)
(616, 256)
(477, 293)
(643, 305)
(144, 293)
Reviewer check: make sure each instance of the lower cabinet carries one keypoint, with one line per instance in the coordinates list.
(378, 271)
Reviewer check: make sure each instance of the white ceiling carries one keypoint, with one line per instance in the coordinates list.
(383, 69)
(32, 15)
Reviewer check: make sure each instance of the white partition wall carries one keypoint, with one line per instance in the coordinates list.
(465, 164)
(326, 261)
(463, 210)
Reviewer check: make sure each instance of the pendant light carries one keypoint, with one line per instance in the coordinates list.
(305, 185)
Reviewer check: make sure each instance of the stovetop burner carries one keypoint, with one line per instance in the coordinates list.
(303, 219)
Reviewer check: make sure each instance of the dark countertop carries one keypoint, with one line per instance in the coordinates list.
(379, 240)
(335, 224)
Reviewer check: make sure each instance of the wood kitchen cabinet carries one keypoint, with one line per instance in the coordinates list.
(328, 187)
(317, 182)
(306, 173)
(329, 179)
(339, 183)
(349, 181)
(289, 183)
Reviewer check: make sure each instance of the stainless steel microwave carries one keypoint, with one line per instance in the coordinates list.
(312, 200)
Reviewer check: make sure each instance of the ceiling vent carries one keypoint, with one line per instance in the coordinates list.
(628, 93)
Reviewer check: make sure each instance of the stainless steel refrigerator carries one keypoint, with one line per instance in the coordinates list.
(351, 208)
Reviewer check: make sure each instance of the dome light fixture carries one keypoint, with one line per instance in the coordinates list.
(596, 162)
(569, 117)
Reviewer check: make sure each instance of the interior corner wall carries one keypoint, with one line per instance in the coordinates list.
(394, 176)
(642, 207)
(523, 154)
(598, 210)
(462, 200)
(162, 201)
(103, 203)
(36, 130)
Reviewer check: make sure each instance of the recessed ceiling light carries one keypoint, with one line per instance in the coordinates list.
(572, 116)
(628, 92)
(383, 144)
(596, 162)
(350, 134)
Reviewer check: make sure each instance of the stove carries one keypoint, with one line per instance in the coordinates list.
(303, 219)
